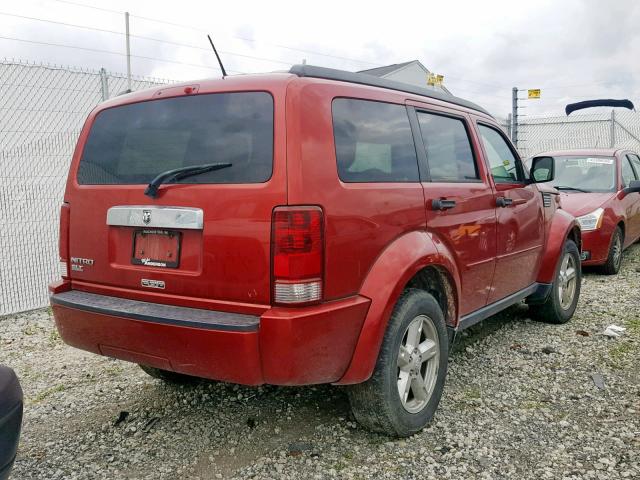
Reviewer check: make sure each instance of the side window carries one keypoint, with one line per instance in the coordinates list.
(373, 141)
(503, 163)
(449, 153)
(627, 171)
(635, 161)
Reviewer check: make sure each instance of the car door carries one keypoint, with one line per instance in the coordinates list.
(459, 199)
(520, 220)
(631, 202)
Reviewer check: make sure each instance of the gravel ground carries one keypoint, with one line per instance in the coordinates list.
(520, 402)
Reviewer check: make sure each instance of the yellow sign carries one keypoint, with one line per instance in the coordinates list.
(534, 93)
(435, 80)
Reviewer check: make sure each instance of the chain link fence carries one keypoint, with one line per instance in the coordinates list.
(42, 109)
(620, 129)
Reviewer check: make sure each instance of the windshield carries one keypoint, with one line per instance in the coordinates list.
(586, 173)
(132, 144)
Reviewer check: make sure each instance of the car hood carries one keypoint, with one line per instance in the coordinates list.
(578, 204)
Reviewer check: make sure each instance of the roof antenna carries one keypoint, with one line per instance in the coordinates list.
(224, 72)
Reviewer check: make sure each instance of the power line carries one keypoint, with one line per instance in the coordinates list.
(246, 39)
(24, 17)
(189, 27)
(142, 37)
(102, 9)
(111, 52)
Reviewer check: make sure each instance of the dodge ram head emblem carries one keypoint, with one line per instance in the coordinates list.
(146, 216)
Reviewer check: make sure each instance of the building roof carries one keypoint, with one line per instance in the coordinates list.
(396, 67)
(382, 71)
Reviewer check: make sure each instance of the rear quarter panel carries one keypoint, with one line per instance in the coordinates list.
(361, 219)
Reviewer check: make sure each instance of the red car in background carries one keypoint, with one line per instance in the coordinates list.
(601, 188)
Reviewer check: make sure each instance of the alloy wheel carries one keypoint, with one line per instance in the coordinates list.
(617, 251)
(418, 361)
(567, 280)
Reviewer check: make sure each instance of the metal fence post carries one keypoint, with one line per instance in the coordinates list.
(514, 116)
(613, 128)
(104, 84)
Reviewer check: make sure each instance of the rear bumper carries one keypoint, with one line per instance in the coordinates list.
(283, 346)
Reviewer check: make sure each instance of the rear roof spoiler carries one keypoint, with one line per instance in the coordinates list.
(364, 79)
(605, 102)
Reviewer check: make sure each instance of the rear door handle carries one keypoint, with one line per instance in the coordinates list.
(504, 201)
(442, 204)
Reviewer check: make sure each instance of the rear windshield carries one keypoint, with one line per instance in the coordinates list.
(134, 143)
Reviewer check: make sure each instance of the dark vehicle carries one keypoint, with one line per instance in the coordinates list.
(315, 226)
(10, 419)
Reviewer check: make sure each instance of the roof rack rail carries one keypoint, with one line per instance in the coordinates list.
(364, 79)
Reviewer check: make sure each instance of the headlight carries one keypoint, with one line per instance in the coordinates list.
(591, 221)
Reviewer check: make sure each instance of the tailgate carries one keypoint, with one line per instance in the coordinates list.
(205, 236)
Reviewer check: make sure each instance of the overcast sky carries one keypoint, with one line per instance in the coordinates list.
(571, 50)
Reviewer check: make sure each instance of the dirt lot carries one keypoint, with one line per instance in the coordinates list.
(520, 402)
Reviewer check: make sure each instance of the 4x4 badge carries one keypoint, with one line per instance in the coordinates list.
(146, 216)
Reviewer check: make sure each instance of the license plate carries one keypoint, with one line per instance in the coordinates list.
(156, 248)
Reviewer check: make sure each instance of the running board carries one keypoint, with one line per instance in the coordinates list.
(540, 289)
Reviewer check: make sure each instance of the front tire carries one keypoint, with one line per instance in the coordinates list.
(614, 259)
(404, 391)
(565, 290)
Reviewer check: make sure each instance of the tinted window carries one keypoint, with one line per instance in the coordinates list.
(373, 142)
(627, 171)
(502, 162)
(133, 143)
(448, 148)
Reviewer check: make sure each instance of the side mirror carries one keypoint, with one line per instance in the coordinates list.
(542, 169)
(634, 186)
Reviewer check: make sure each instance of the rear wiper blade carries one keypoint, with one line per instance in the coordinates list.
(180, 173)
(564, 187)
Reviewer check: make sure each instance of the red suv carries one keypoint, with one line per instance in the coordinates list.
(315, 226)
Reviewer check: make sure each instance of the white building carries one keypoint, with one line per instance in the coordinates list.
(413, 73)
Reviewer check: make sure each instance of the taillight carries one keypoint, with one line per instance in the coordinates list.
(63, 245)
(297, 254)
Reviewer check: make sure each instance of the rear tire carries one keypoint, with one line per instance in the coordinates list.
(614, 259)
(169, 376)
(565, 290)
(413, 358)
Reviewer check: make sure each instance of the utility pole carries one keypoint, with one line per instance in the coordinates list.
(514, 116)
(126, 24)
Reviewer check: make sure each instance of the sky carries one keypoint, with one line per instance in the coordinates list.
(571, 49)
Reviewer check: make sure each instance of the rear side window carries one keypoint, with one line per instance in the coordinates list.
(448, 148)
(132, 144)
(502, 162)
(373, 142)
(635, 161)
(627, 171)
